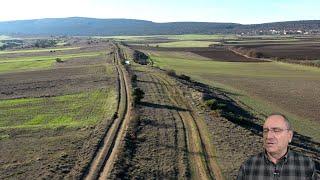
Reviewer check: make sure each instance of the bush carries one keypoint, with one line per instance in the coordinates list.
(172, 73)
(134, 78)
(59, 60)
(137, 94)
(216, 104)
(43, 43)
(255, 54)
(184, 77)
(209, 103)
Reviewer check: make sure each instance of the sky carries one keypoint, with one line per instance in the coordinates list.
(236, 11)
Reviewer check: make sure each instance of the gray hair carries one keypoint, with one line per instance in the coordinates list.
(286, 120)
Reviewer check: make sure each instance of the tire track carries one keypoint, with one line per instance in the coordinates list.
(181, 153)
(102, 163)
(161, 150)
(204, 165)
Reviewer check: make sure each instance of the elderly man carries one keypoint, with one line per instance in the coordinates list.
(277, 161)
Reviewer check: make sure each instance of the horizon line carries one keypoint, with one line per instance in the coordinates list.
(32, 19)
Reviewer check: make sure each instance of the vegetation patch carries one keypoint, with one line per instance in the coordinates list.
(137, 95)
(74, 110)
(38, 50)
(185, 44)
(38, 62)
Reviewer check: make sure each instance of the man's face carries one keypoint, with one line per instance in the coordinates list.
(276, 136)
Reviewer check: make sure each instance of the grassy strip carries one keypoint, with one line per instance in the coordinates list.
(199, 37)
(174, 37)
(38, 62)
(74, 110)
(43, 58)
(38, 50)
(272, 69)
(198, 70)
(185, 44)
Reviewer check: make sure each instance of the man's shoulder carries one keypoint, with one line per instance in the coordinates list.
(254, 159)
(297, 156)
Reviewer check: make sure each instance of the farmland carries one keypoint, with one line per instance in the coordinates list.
(258, 86)
(79, 117)
(185, 44)
(53, 115)
(251, 79)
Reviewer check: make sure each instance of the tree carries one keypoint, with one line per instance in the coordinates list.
(138, 94)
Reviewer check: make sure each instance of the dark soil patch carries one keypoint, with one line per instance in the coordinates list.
(214, 53)
(27, 154)
(222, 54)
(53, 82)
(307, 51)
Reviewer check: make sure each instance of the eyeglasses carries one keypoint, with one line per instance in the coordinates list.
(274, 130)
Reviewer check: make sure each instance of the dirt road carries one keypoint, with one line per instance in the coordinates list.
(103, 161)
(204, 165)
(172, 141)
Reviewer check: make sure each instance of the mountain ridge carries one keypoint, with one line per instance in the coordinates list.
(83, 26)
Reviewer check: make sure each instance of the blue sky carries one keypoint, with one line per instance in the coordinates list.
(237, 11)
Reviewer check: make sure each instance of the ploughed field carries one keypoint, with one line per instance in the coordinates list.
(265, 87)
(52, 115)
(260, 88)
(211, 53)
(293, 51)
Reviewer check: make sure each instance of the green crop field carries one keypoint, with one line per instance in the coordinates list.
(74, 110)
(38, 62)
(185, 44)
(183, 37)
(264, 87)
(198, 37)
(38, 50)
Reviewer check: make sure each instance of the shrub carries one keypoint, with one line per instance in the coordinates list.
(184, 77)
(43, 43)
(134, 78)
(216, 104)
(255, 54)
(209, 103)
(59, 60)
(137, 94)
(172, 73)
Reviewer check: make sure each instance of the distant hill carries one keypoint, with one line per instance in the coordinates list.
(79, 26)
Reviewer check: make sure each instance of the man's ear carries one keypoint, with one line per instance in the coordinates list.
(291, 136)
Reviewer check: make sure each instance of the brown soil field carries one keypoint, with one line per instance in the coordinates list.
(237, 139)
(297, 96)
(299, 51)
(75, 75)
(213, 53)
(46, 83)
(222, 54)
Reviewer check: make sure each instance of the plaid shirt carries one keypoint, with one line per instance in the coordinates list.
(293, 166)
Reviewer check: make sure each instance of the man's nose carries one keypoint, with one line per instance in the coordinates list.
(269, 135)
